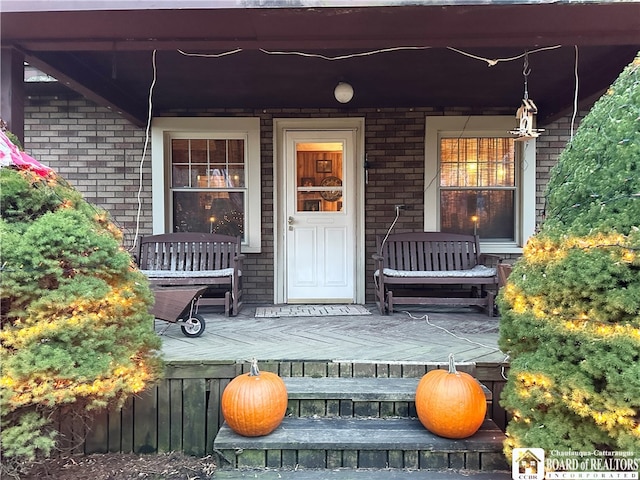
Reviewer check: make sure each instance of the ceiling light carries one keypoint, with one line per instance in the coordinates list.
(343, 92)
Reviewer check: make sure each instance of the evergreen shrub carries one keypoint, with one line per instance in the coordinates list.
(76, 330)
(571, 308)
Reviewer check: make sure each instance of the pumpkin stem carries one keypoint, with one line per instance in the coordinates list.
(452, 364)
(254, 368)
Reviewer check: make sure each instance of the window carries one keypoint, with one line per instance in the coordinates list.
(207, 185)
(209, 170)
(478, 186)
(479, 179)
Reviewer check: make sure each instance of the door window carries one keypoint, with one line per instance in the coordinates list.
(319, 177)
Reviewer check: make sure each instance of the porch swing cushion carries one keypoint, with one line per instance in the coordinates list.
(478, 271)
(153, 274)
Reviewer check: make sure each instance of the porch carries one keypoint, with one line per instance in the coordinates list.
(413, 335)
(405, 344)
(182, 413)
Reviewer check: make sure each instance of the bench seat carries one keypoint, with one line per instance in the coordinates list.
(411, 262)
(194, 259)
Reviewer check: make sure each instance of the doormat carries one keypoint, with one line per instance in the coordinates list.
(310, 311)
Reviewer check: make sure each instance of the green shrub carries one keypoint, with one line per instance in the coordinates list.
(571, 308)
(76, 330)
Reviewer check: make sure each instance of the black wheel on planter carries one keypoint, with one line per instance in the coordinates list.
(193, 326)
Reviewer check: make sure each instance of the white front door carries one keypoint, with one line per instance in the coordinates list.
(320, 206)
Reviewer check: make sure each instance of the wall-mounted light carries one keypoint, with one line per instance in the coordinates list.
(343, 92)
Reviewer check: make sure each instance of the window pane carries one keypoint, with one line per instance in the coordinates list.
(477, 162)
(179, 151)
(199, 151)
(180, 176)
(217, 177)
(209, 212)
(199, 176)
(218, 151)
(235, 151)
(236, 176)
(319, 169)
(492, 210)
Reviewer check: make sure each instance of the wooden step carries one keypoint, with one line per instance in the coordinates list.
(359, 474)
(354, 397)
(363, 389)
(361, 443)
(355, 388)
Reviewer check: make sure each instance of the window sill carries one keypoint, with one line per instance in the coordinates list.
(500, 247)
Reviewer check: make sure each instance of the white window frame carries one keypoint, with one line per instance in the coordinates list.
(244, 127)
(482, 126)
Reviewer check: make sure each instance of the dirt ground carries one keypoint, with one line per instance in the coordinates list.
(112, 466)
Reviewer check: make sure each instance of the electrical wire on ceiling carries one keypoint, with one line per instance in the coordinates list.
(494, 61)
(210, 55)
(343, 57)
(489, 61)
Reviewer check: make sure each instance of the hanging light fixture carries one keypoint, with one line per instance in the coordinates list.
(525, 114)
(343, 92)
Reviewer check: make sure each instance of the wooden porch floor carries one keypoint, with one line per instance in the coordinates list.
(415, 334)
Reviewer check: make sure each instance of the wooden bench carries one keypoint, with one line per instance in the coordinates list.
(407, 264)
(189, 258)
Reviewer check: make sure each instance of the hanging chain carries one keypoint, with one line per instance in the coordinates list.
(526, 70)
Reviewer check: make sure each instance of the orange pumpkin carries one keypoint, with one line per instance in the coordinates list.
(254, 403)
(449, 403)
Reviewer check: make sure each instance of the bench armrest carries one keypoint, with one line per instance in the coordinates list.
(238, 264)
(489, 258)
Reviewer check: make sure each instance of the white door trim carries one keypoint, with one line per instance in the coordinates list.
(279, 128)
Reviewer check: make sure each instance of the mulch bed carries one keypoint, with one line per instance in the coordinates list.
(118, 466)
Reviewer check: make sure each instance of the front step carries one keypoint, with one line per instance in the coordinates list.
(364, 389)
(349, 474)
(332, 443)
(355, 397)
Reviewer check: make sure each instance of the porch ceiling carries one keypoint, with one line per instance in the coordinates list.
(107, 54)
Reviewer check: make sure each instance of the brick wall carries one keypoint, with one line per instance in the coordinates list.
(97, 152)
(101, 154)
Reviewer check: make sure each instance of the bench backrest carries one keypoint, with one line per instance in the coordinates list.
(188, 251)
(430, 251)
